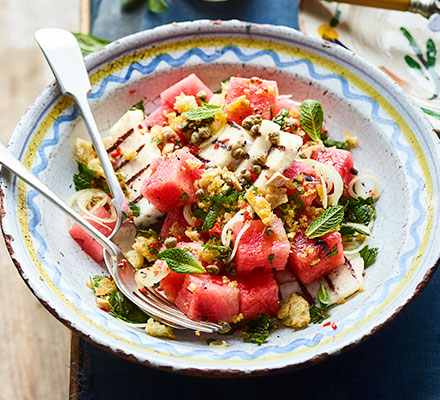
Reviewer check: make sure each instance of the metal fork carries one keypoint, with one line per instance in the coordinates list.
(121, 270)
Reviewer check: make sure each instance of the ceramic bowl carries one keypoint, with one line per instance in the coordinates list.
(395, 140)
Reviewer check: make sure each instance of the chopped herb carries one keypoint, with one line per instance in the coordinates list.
(84, 178)
(224, 252)
(181, 261)
(138, 106)
(327, 222)
(358, 210)
(351, 231)
(226, 197)
(311, 118)
(135, 210)
(153, 250)
(89, 43)
(124, 309)
(317, 315)
(204, 112)
(258, 330)
(271, 258)
(334, 143)
(334, 251)
(369, 255)
(184, 196)
(323, 297)
(94, 281)
(281, 117)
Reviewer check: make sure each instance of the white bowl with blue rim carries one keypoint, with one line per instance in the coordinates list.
(395, 140)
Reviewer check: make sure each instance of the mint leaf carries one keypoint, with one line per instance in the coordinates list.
(89, 43)
(209, 221)
(334, 143)
(333, 252)
(323, 297)
(204, 112)
(181, 261)
(157, 6)
(311, 117)
(351, 231)
(83, 179)
(369, 255)
(138, 106)
(124, 309)
(327, 222)
(358, 210)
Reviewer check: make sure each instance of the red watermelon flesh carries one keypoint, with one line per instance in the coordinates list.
(257, 250)
(176, 220)
(207, 297)
(171, 183)
(259, 98)
(258, 294)
(191, 85)
(307, 179)
(157, 117)
(172, 283)
(305, 253)
(288, 104)
(341, 160)
(87, 243)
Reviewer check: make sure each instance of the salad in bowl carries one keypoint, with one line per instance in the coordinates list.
(248, 214)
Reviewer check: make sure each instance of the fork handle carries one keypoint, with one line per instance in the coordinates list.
(424, 7)
(17, 168)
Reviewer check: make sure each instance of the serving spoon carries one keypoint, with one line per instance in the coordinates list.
(119, 267)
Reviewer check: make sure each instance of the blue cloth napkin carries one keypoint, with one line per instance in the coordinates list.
(401, 361)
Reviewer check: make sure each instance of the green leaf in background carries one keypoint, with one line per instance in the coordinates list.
(181, 261)
(89, 43)
(327, 222)
(415, 65)
(157, 6)
(311, 117)
(204, 112)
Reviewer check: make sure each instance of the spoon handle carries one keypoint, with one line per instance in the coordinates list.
(17, 168)
(64, 57)
(423, 7)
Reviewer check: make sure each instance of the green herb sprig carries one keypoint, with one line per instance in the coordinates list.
(327, 222)
(181, 261)
(311, 118)
(204, 112)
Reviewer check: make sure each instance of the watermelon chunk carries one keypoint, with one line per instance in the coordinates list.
(157, 117)
(258, 294)
(245, 97)
(171, 183)
(257, 250)
(308, 260)
(87, 243)
(341, 160)
(283, 102)
(191, 85)
(306, 178)
(176, 222)
(207, 297)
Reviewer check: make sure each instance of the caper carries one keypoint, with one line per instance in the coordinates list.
(225, 327)
(269, 231)
(200, 193)
(247, 175)
(195, 137)
(256, 169)
(170, 242)
(213, 269)
(233, 272)
(201, 95)
(204, 132)
(184, 125)
(255, 130)
(238, 153)
(250, 121)
(274, 137)
(227, 179)
(260, 160)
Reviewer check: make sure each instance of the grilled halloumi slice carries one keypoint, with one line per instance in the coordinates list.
(280, 156)
(135, 152)
(340, 283)
(219, 148)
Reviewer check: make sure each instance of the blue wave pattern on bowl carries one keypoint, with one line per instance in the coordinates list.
(348, 92)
